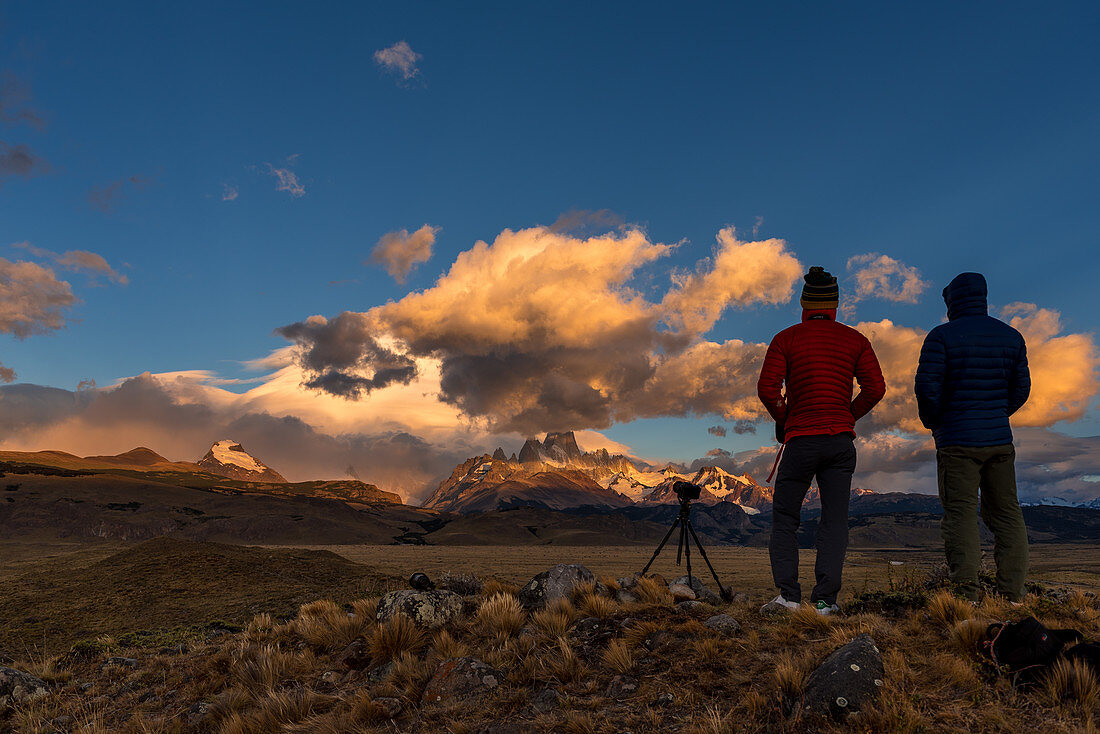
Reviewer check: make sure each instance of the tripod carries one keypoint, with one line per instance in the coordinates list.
(683, 520)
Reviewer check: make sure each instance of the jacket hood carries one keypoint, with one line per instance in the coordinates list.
(966, 296)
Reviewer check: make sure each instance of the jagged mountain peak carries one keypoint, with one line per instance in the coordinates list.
(227, 458)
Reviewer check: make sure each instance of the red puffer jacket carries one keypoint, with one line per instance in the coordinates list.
(817, 360)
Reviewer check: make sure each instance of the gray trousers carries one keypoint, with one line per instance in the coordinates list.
(832, 460)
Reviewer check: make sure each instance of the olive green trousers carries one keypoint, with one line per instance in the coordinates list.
(964, 471)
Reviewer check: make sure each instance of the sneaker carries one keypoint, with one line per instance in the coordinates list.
(778, 604)
(824, 608)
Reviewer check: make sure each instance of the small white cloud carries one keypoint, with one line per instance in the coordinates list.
(288, 180)
(883, 277)
(399, 59)
(229, 193)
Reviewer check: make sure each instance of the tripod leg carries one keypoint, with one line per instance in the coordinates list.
(721, 589)
(687, 550)
(662, 545)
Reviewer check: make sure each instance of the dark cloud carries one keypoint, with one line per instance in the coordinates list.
(19, 160)
(7, 374)
(15, 103)
(338, 351)
(109, 197)
(400, 252)
(719, 431)
(744, 426)
(586, 223)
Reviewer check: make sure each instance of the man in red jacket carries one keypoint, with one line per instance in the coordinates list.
(817, 361)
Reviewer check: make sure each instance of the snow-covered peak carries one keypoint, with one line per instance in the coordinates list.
(229, 451)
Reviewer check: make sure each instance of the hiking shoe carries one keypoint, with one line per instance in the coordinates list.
(824, 608)
(778, 604)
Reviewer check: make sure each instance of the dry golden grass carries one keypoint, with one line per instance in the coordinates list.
(366, 609)
(261, 628)
(597, 605)
(652, 591)
(806, 619)
(501, 613)
(789, 675)
(325, 625)
(493, 587)
(445, 647)
(395, 637)
(259, 668)
(562, 664)
(948, 609)
(618, 656)
(556, 619)
(968, 634)
(1072, 684)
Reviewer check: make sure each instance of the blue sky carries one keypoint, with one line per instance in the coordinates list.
(950, 138)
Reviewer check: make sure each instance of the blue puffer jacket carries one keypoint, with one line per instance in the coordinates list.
(973, 371)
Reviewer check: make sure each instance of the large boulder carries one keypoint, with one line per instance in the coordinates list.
(429, 609)
(461, 679)
(702, 592)
(556, 583)
(846, 681)
(17, 687)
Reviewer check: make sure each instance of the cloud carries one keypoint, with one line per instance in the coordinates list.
(719, 431)
(399, 252)
(109, 197)
(77, 260)
(15, 106)
(287, 179)
(229, 193)
(883, 277)
(32, 299)
(400, 60)
(6, 373)
(542, 330)
(19, 160)
(1065, 369)
(739, 274)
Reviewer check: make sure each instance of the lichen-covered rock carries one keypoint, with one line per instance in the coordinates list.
(553, 584)
(723, 623)
(17, 687)
(390, 707)
(702, 591)
(846, 681)
(461, 679)
(429, 609)
(688, 605)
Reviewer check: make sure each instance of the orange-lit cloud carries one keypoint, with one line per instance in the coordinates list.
(399, 252)
(883, 277)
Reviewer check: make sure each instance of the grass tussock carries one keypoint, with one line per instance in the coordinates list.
(597, 605)
(492, 587)
(652, 591)
(618, 656)
(948, 609)
(968, 634)
(1072, 684)
(789, 676)
(445, 647)
(806, 619)
(326, 626)
(556, 619)
(395, 637)
(501, 613)
(563, 664)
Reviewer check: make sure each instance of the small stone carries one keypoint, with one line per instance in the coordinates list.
(702, 592)
(681, 592)
(689, 605)
(62, 721)
(391, 707)
(664, 700)
(723, 623)
(622, 686)
(120, 662)
(355, 656)
(147, 697)
(625, 596)
(546, 700)
(379, 673)
(330, 676)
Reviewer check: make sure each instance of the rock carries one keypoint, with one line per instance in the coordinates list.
(379, 673)
(723, 623)
(120, 662)
(546, 700)
(702, 592)
(461, 679)
(681, 592)
(622, 686)
(330, 676)
(429, 609)
(391, 707)
(847, 680)
(689, 605)
(625, 596)
(355, 656)
(655, 576)
(17, 688)
(62, 721)
(590, 634)
(556, 583)
(627, 583)
(664, 700)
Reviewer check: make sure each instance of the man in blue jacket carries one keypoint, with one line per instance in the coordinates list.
(972, 376)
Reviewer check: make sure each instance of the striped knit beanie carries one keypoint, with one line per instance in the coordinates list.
(821, 290)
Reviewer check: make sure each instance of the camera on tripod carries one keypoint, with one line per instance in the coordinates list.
(686, 491)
